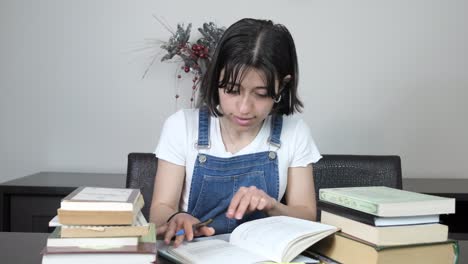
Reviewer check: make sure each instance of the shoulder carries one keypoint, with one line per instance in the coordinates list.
(293, 124)
(182, 117)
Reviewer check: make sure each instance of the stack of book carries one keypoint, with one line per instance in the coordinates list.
(101, 225)
(385, 225)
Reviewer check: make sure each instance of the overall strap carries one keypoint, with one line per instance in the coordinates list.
(275, 134)
(203, 141)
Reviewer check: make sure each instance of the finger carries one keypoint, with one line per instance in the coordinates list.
(188, 230)
(170, 232)
(243, 205)
(254, 202)
(178, 240)
(205, 231)
(235, 202)
(262, 204)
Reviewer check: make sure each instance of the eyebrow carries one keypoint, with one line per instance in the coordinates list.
(256, 87)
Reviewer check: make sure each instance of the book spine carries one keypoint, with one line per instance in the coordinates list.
(350, 202)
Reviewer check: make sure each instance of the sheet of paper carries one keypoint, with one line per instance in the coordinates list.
(271, 235)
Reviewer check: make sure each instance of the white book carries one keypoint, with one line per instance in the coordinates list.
(110, 258)
(276, 238)
(144, 252)
(55, 240)
(100, 199)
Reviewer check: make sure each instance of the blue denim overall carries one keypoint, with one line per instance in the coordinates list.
(216, 180)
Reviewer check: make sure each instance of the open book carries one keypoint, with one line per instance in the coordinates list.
(276, 238)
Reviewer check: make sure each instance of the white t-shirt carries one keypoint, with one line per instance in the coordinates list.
(180, 133)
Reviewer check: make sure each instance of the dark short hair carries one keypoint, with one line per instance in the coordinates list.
(255, 44)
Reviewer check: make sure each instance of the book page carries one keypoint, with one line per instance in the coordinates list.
(212, 251)
(272, 236)
(103, 194)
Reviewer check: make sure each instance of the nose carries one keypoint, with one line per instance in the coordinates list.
(245, 104)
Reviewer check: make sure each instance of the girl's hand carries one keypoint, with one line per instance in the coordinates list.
(182, 221)
(247, 200)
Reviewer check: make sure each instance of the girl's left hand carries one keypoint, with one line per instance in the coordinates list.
(247, 200)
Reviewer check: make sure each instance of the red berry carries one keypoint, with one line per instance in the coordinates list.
(186, 69)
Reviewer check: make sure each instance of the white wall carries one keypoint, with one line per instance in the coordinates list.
(378, 77)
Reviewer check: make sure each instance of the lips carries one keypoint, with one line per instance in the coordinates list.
(243, 121)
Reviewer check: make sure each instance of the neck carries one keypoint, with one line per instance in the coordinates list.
(235, 140)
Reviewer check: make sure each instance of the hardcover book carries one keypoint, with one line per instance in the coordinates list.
(388, 202)
(139, 227)
(104, 199)
(100, 206)
(276, 238)
(145, 252)
(388, 235)
(350, 250)
(376, 220)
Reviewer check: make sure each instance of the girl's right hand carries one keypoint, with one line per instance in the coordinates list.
(182, 221)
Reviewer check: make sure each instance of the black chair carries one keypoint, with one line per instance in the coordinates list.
(330, 171)
(141, 169)
(333, 171)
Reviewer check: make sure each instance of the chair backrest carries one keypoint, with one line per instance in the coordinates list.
(330, 171)
(333, 171)
(141, 171)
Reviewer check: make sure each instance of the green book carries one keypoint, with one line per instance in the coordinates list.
(388, 202)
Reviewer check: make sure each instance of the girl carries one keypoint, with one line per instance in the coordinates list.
(234, 157)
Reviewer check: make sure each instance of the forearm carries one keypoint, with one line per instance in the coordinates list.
(160, 213)
(299, 211)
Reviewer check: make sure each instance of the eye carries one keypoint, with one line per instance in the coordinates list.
(232, 89)
(263, 93)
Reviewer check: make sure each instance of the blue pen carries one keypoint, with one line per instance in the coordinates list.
(181, 232)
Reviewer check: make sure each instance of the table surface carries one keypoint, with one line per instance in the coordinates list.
(427, 185)
(69, 179)
(25, 248)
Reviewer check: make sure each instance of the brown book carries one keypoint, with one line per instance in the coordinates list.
(139, 228)
(388, 235)
(100, 206)
(347, 249)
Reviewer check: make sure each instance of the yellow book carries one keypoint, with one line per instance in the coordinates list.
(350, 250)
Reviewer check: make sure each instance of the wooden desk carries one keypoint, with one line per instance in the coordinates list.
(453, 188)
(25, 248)
(27, 204)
